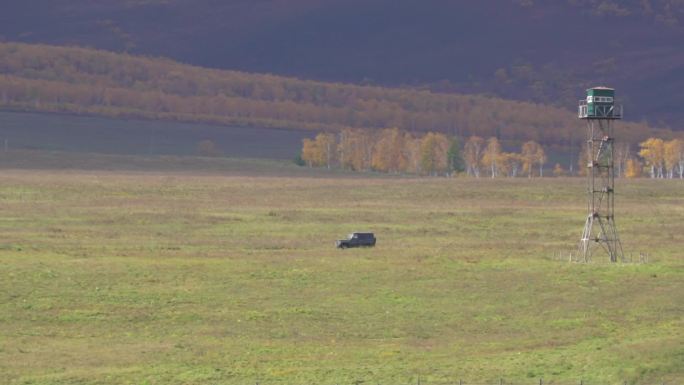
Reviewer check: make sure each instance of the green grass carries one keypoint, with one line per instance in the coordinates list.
(89, 162)
(77, 134)
(168, 278)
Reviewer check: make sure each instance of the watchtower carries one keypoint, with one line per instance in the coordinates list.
(599, 111)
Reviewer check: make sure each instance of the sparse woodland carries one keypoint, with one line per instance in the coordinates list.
(389, 150)
(655, 158)
(395, 151)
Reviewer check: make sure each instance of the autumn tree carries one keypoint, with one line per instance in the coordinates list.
(509, 164)
(326, 149)
(673, 154)
(532, 154)
(412, 152)
(390, 154)
(517, 164)
(366, 141)
(679, 150)
(472, 154)
(491, 156)
(433, 153)
(355, 149)
(344, 147)
(309, 152)
(382, 157)
(653, 153)
(541, 159)
(319, 151)
(633, 168)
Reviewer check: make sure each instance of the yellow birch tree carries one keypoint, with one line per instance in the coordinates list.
(472, 155)
(530, 156)
(679, 150)
(672, 154)
(491, 156)
(390, 154)
(540, 158)
(309, 152)
(653, 153)
(325, 149)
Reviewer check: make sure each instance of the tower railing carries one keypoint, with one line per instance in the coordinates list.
(612, 111)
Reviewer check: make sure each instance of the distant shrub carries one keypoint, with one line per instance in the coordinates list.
(207, 148)
(299, 161)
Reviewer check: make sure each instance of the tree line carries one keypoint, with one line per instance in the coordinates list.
(85, 81)
(396, 151)
(654, 157)
(389, 150)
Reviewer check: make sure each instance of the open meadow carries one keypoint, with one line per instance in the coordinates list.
(91, 134)
(168, 277)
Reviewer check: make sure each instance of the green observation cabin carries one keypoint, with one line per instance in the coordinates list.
(600, 104)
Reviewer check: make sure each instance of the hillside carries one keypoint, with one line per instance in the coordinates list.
(545, 52)
(83, 81)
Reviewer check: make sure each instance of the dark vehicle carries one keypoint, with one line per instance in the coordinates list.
(357, 240)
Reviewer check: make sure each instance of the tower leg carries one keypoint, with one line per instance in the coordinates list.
(584, 245)
(599, 229)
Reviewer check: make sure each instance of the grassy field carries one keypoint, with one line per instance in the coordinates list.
(127, 277)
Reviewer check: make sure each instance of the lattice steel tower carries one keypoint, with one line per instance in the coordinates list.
(599, 111)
